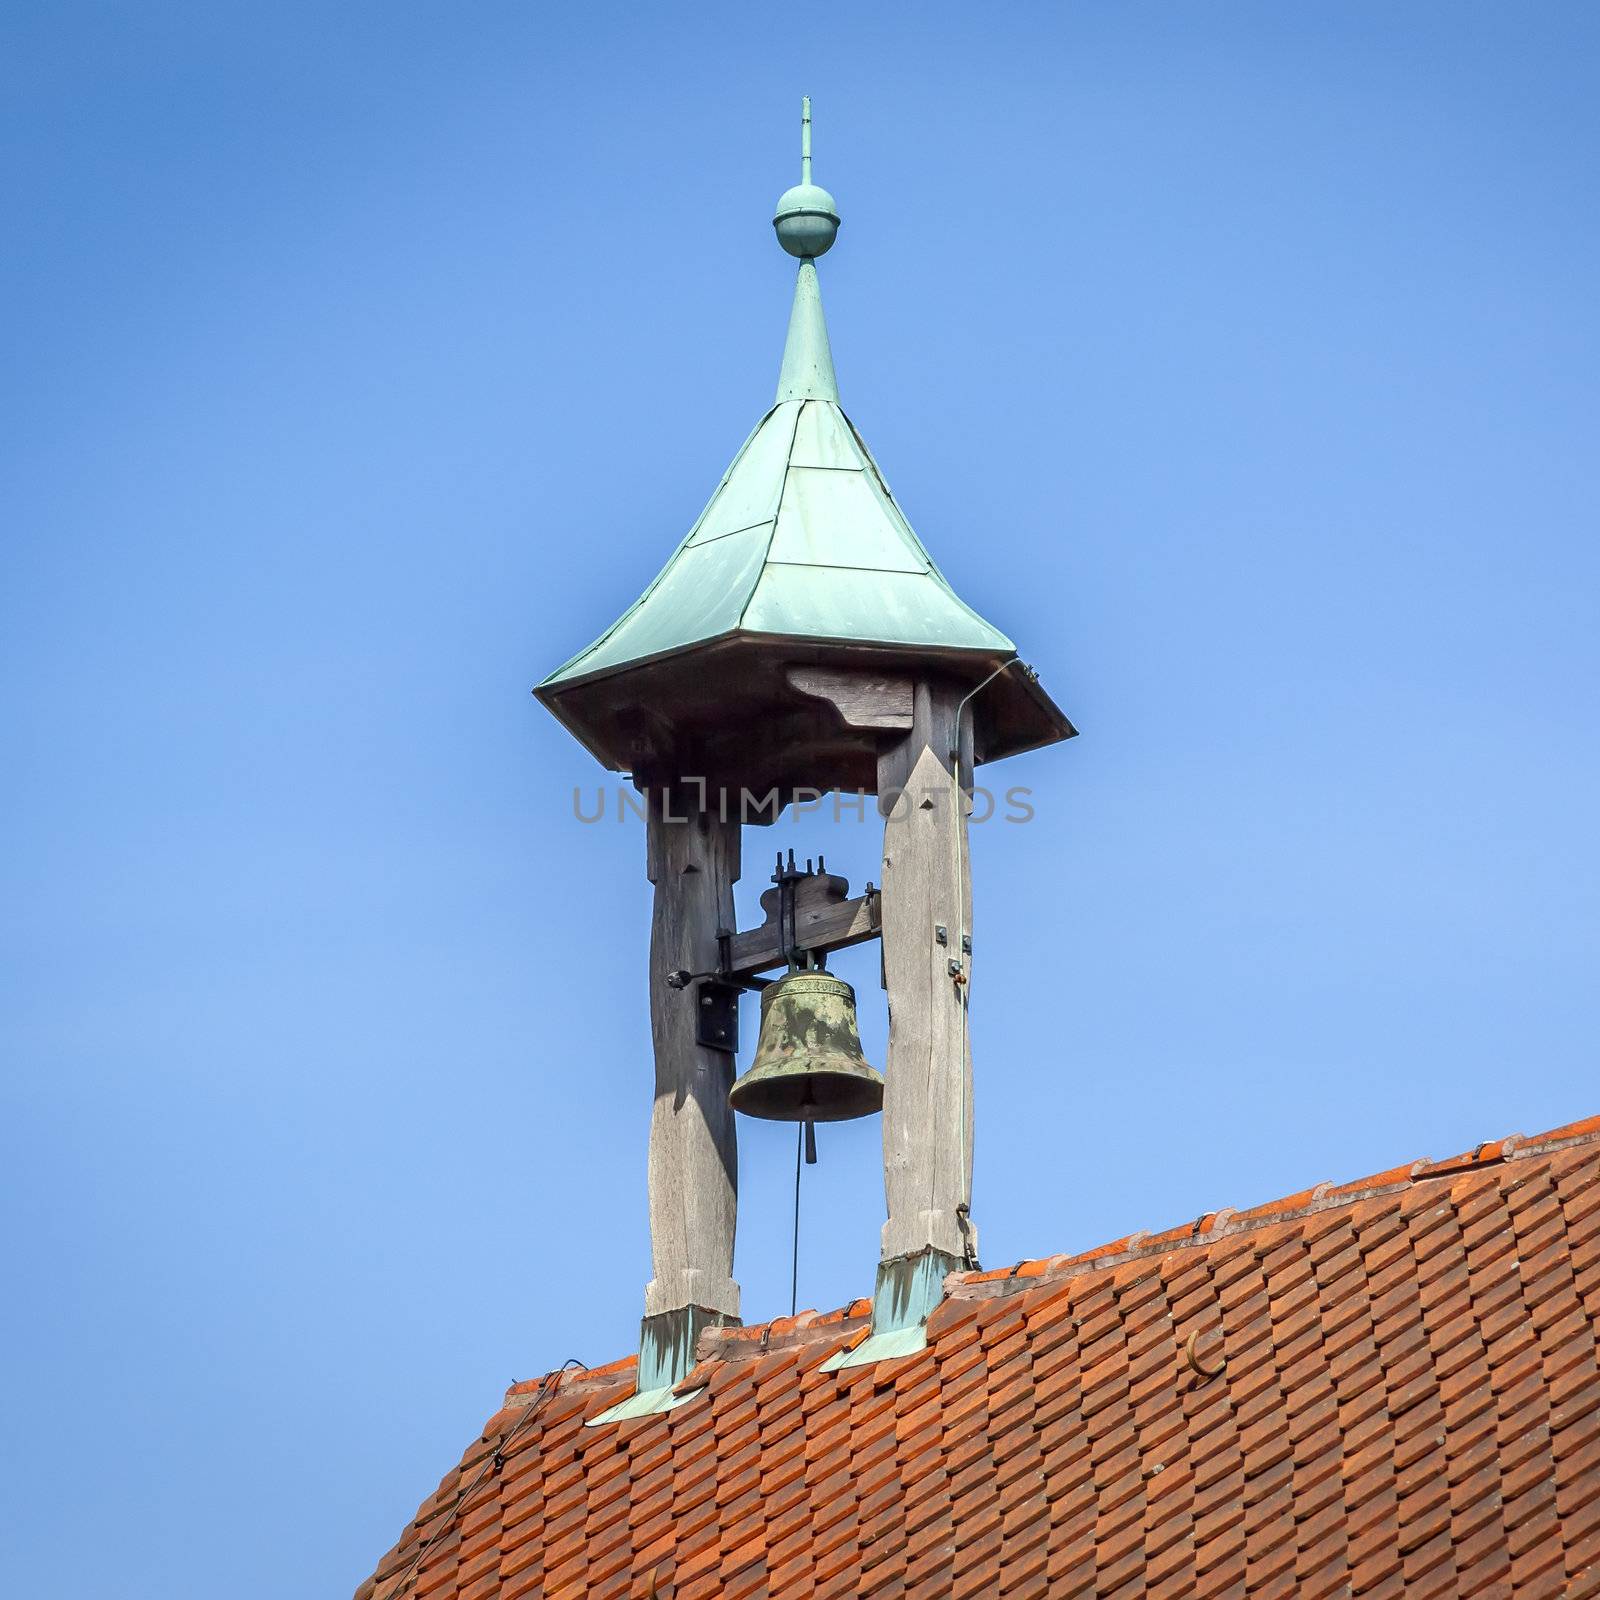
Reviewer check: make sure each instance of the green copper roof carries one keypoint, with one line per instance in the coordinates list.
(802, 537)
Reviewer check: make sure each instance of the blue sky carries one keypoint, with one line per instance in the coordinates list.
(362, 362)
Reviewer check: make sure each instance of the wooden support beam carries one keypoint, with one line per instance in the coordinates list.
(927, 963)
(866, 700)
(818, 929)
(693, 860)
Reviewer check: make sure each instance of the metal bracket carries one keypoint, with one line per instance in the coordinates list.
(716, 1016)
(683, 977)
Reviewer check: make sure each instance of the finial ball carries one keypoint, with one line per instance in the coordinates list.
(807, 221)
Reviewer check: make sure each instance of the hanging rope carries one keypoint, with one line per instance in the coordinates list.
(805, 1141)
(794, 1275)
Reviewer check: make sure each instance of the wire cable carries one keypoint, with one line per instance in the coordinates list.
(497, 1459)
(961, 851)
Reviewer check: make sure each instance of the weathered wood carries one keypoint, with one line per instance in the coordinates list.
(862, 699)
(927, 1106)
(693, 862)
(810, 892)
(817, 929)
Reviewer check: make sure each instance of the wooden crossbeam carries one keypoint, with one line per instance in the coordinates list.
(818, 928)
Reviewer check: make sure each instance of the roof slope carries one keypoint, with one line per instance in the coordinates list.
(802, 538)
(1386, 1387)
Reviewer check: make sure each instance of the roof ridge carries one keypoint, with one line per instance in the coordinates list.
(1210, 1226)
(777, 511)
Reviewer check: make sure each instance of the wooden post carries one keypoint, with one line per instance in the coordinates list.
(693, 861)
(926, 912)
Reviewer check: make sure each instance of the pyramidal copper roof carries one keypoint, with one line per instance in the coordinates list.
(1385, 1388)
(801, 558)
(802, 539)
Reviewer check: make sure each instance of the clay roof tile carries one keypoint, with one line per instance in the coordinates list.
(1381, 1386)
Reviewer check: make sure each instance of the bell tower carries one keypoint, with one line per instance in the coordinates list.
(800, 641)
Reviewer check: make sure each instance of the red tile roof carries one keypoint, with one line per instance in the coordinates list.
(1387, 1387)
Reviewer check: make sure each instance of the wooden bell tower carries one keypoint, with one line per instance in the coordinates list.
(800, 640)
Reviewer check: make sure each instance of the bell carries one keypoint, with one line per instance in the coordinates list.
(808, 1065)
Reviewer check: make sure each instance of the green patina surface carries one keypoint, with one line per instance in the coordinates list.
(808, 1066)
(802, 538)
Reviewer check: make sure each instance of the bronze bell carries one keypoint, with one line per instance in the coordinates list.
(808, 1065)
